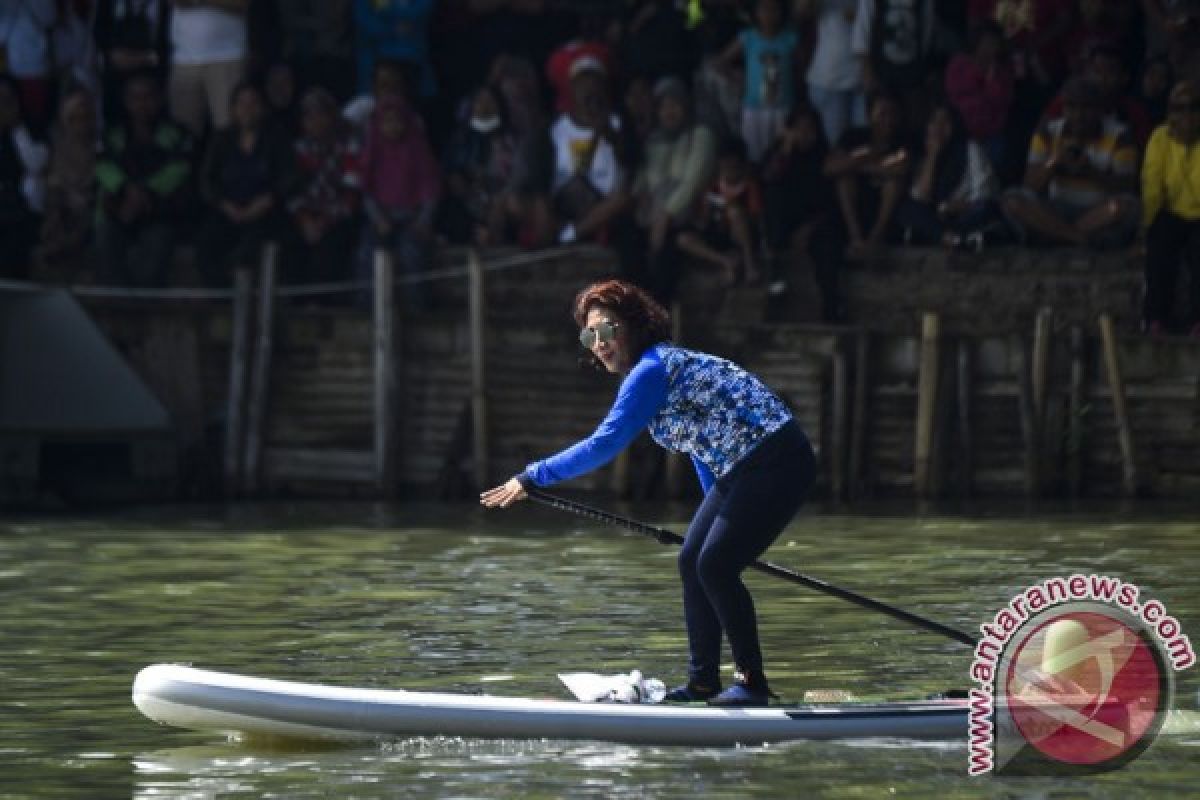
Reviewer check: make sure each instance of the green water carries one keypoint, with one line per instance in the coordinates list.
(461, 599)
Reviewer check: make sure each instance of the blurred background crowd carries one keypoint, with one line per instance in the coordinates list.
(708, 134)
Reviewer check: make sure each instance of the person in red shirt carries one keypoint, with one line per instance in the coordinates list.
(979, 84)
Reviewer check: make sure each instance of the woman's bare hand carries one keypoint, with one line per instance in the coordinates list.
(504, 495)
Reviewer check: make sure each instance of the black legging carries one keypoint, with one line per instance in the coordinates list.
(741, 516)
(1170, 240)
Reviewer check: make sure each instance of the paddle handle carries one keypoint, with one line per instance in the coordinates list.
(668, 537)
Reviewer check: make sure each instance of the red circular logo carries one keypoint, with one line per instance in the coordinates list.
(1086, 688)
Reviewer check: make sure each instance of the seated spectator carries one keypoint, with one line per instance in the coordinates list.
(767, 51)
(590, 185)
(1171, 210)
(1105, 68)
(1080, 177)
(869, 169)
(639, 117)
(241, 182)
(208, 59)
(323, 200)
(952, 200)
(143, 176)
(70, 190)
(22, 162)
(835, 83)
(401, 186)
(680, 157)
(979, 84)
(129, 37)
(795, 191)
(527, 201)
(25, 45)
(730, 221)
(478, 167)
(1154, 85)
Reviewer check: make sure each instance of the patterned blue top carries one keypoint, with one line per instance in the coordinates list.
(692, 402)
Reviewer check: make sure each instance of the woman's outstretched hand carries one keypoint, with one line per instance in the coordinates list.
(504, 495)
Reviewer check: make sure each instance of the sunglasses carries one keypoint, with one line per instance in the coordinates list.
(603, 331)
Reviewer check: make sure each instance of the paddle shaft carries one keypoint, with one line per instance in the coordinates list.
(668, 537)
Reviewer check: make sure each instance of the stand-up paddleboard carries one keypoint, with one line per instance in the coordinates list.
(237, 704)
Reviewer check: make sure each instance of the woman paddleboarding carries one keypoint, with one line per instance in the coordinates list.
(754, 462)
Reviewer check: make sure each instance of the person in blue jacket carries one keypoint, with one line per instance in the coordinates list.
(754, 462)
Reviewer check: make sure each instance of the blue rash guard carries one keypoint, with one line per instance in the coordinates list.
(692, 402)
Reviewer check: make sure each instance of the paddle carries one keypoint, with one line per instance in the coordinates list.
(667, 537)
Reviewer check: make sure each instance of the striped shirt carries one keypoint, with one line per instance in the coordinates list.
(1112, 151)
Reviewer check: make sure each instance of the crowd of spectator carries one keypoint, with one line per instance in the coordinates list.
(723, 133)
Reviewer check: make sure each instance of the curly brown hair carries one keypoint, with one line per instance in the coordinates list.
(647, 323)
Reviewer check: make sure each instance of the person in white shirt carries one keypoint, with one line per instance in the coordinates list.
(208, 58)
(835, 84)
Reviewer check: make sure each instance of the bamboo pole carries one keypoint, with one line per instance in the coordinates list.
(384, 385)
(927, 379)
(858, 421)
(837, 456)
(261, 374)
(966, 469)
(1075, 422)
(1029, 422)
(1120, 410)
(239, 349)
(1042, 330)
(476, 298)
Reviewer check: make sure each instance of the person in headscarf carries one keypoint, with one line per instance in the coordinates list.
(401, 188)
(323, 198)
(478, 163)
(679, 162)
(70, 189)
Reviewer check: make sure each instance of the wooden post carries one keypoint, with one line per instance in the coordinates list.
(478, 319)
(239, 349)
(837, 458)
(966, 469)
(858, 420)
(1029, 422)
(1041, 362)
(1116, 387)
(261, 374)
(1075, 422)
(384, 387)
(927, 379)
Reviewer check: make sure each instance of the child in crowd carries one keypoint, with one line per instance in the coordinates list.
(323, 199)
(768, 50)
(401, 187)
(730, 218)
